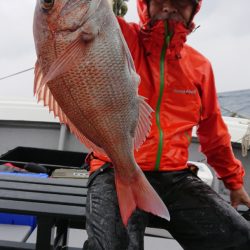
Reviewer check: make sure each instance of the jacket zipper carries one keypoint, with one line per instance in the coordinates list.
(158, 106)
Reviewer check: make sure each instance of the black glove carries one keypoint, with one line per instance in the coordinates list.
(120, 7)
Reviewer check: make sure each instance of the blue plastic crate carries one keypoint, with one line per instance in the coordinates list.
(18, 219)
(26, 174)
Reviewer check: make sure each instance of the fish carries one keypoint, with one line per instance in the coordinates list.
(86, 76)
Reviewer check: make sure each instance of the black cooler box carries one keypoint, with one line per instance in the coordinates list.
(48, 158)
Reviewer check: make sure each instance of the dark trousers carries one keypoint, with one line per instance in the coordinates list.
(200, 218)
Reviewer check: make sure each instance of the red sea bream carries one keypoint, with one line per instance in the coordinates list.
(86, 76)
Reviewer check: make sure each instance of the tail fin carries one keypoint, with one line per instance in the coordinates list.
(139, 194)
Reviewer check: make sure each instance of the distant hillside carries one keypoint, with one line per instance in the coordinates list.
(235, 103)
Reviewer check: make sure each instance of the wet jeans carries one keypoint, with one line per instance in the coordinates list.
(200, 218)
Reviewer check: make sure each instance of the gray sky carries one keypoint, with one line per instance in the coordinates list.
(224, 38)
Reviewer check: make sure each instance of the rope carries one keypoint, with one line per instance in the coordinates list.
(245, 141)
(234, 113)
(18, 73)
(245, 144)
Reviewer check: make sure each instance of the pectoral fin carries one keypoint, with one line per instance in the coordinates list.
(74, 52)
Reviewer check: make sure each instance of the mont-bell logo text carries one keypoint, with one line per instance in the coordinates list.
(185, 91)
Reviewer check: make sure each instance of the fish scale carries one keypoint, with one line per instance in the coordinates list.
(86, 76)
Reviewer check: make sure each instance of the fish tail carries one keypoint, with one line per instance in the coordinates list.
(139, 194)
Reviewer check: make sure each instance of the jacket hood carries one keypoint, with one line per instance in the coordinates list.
(142, 8)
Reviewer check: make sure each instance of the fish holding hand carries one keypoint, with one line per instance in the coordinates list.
(86, 76)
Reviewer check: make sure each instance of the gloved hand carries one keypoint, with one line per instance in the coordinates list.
(120, 7)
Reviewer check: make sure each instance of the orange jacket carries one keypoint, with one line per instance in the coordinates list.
(178, 83)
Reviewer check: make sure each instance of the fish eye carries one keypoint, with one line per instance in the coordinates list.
(47, 4)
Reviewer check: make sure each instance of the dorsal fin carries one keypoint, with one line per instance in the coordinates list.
(136, 78)
(144, 122)
(44, 94)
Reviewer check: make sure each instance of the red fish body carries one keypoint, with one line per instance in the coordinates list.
(86, 76)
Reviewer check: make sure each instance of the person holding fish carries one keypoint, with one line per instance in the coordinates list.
(179, 85)
(85, 74)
